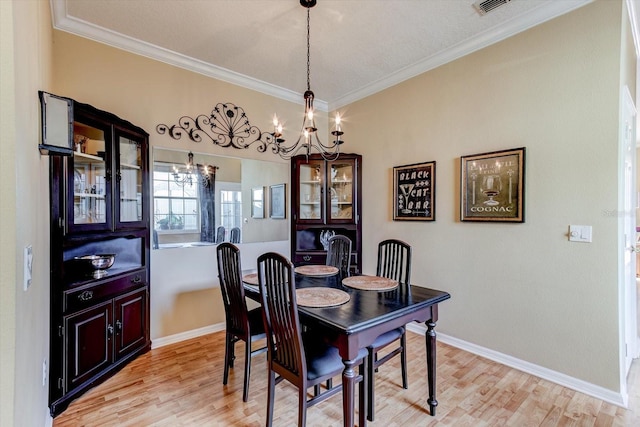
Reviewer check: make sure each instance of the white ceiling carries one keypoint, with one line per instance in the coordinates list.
(358, 47)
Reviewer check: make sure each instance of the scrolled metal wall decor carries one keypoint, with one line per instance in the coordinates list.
(227, 126)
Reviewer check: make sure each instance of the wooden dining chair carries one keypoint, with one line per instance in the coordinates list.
(394, 262)
(220, 233)
(241, 324)
(301, 359)
(234, 235)
(339, 254)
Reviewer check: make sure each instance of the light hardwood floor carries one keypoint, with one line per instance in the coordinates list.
(181, 385)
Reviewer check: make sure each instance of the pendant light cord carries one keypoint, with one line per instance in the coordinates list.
(308, 51)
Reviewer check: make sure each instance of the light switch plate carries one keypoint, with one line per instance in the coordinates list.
(28, 266)
(580, 233)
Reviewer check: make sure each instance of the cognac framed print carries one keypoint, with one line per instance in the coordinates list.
(493, 186)
(414, 188)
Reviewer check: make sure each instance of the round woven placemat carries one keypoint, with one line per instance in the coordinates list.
(251, 279)
(370, 283)
(316, 270)
(321, 297)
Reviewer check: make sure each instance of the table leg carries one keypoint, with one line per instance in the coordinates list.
(430, 336)
(348, 392)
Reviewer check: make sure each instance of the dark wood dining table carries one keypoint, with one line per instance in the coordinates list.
(357, 323)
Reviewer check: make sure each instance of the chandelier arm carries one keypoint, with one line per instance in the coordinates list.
(330, 146)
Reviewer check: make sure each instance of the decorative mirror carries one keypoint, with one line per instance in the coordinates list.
(239, 200)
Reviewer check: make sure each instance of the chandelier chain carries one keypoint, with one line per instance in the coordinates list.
(308, 50)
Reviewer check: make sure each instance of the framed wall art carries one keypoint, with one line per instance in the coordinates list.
(414, 192)
(57, 124)
(257, 202)
(277, 201)
(493, 186)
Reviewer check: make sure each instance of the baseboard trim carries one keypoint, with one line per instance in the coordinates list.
(172, 339)
(581, 386)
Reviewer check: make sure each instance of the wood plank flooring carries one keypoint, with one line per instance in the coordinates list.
(181, 385)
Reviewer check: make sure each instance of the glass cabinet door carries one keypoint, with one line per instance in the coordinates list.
(341, 196)
(129, 179)
(310, 191)
(89, 178)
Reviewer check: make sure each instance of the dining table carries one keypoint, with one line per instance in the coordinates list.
(366, 314)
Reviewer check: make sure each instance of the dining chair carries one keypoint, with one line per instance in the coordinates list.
(241, 324)
(394, 262)
(303, 360)
(234, 235)
(339, 254)
(220, 232)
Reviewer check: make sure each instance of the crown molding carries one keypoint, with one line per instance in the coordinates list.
(477, 42)
(63, 22)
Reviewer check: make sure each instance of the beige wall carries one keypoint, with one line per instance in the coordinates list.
(8, 212)
(522, 290)
(26, 68)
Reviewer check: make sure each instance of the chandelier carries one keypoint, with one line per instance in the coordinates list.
(228, 126)
(190, 172)
(308, 139)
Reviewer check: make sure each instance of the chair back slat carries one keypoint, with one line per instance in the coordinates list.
(284, 336)
(339, 254)
(394, 260)
(233, 296)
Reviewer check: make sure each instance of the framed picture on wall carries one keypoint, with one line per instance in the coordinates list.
(257, 202)
(492, 186)
(414, 192)
(57, 124)
(277, 201)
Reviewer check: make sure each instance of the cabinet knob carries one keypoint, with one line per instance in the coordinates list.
(136, 279)
(118, 326)
(110, 330)
(307, 257)
(85, 296)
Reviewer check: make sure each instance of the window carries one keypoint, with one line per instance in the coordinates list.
(175, 206)
(230, 209)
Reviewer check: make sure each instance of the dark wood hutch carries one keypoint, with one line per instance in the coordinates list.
(326, 199)
(99, 205)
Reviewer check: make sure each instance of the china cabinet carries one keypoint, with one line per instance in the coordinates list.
(99, 254)
(326, 199)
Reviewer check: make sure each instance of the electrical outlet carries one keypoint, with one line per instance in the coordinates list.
(28, 266)
(44, 372)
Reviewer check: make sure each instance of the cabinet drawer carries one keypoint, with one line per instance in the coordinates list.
(310, 258)
(88, 295)
(318, 259)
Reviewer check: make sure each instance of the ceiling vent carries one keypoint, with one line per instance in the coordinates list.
(485, 6)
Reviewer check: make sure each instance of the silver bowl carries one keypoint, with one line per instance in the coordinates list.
(95, 264)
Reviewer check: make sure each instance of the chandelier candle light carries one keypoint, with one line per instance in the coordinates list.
(185, 177)
(308, 138)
